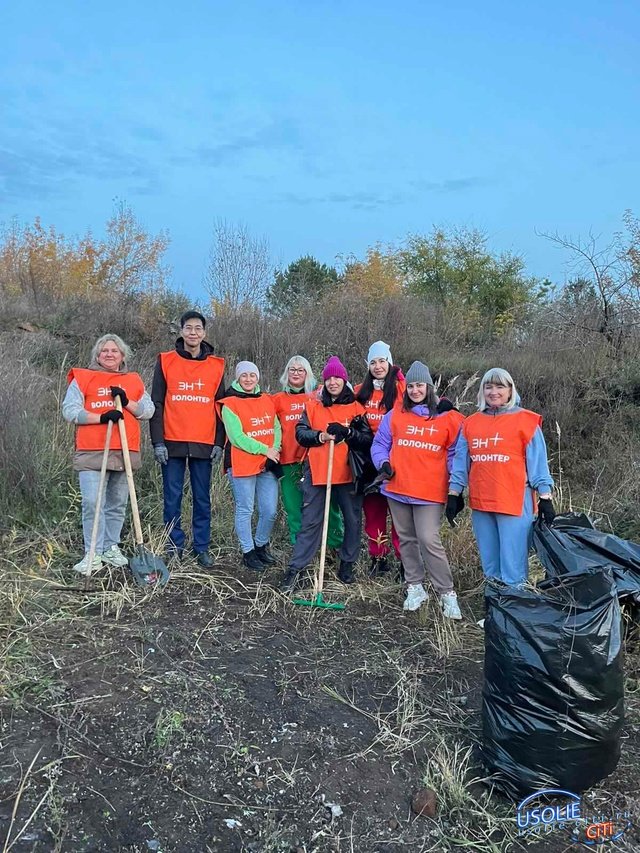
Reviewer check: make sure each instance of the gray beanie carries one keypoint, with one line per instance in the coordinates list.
(419, 372)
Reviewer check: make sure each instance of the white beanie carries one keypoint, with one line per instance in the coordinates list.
(379, 350)
(246, 367)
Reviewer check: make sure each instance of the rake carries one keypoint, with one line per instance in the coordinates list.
(318, 599)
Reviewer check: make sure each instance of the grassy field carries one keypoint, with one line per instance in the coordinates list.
(217, 716)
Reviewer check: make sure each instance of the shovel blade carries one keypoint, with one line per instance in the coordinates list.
(147, 569)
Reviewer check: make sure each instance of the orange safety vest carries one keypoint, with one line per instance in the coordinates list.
(419, 454)
(96, 388)
(289, 408)
(319, 418)
(192, 384)
(497, 450)
(374, 408)
(257, 416)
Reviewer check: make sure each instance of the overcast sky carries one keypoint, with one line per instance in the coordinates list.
(325, 126)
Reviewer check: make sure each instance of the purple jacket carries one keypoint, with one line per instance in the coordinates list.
(381, 451)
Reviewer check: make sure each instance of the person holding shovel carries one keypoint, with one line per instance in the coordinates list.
(413, 450)
(185, 430)
(251, 461)
(502, 457)
(335, 418)
(298, 387)
(89, 403)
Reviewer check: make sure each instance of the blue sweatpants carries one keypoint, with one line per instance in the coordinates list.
(173, 484)
(504, 542)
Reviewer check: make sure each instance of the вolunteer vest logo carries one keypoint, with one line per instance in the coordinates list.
(190, 392)
(554, 809)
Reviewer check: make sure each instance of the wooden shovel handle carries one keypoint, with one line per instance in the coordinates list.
(98, 507)
(135, 512)
(325, 520)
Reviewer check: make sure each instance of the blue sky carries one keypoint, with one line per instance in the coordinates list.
(324, 126)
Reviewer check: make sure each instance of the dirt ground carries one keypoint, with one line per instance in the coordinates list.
(218, 717)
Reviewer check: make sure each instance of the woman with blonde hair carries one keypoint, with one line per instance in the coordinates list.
(501, 455)
(90, 404)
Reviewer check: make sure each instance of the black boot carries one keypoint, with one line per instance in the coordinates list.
(252, 561)
(203, 558)
(383, 566)
(345, 574)
(289, 581)
(265, 555)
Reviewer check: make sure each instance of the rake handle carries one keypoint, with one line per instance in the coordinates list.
(98, 507)
(325, 522)
(135, 512)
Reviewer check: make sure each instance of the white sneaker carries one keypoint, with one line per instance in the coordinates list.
(450, 609)
(113, 556)
(416, 595)
(83, 566)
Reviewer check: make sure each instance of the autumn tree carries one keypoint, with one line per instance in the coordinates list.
(239, 268)
(376, 277)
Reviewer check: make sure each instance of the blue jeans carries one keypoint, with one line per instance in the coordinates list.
(173, 484)
(245, 490)
(114, 505)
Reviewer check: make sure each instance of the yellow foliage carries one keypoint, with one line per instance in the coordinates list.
(377, 277)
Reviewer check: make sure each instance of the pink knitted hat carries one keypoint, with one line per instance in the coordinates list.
(334, 367)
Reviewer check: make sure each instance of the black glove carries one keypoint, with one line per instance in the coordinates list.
(275, 468)
(444, 405)
(340, 431)
(387, 470)
(120, 392)
(455, 505)
(112, 415)
(546, 512)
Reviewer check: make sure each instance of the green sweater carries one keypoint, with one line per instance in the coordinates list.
(238, 437)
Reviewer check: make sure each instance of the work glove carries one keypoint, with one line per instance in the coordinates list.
(112, 415)
(444, 405)
(387, 470)
(455, 505)
(546, 512)
(161, 453)
(340, 431)
(275, 468)
(216, 454)
(120, 392)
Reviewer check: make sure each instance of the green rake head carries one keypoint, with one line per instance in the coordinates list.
(318, 601)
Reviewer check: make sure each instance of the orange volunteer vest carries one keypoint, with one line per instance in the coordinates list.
(96, 388)
(289, 409)
(257, 416)
(319, 418)
(374, 408)
(497, 449)
(189, 410)
(419, 454)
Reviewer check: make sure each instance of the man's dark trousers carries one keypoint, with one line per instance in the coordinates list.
(173, 481)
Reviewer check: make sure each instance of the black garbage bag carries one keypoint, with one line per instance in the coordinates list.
(572, 542)
(553, 702)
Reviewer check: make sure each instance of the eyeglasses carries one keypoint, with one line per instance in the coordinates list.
(297, 370)
(196, 329)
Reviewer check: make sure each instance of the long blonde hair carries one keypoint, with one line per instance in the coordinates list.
(309, 381)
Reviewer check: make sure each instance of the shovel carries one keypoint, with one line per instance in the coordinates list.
(146, 567)
(98, 508)
(318, 600)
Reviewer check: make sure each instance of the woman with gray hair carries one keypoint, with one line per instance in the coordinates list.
(90, 404)
(501, 455)
(298, 385)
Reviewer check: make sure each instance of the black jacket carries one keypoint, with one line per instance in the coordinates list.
(198, 450)
(359, 441)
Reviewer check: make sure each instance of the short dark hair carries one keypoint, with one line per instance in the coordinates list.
(192, 315)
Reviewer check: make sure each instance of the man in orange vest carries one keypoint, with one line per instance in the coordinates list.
(185, 428)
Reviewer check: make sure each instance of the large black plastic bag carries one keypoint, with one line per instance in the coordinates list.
(578, 534)
(553, 704)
